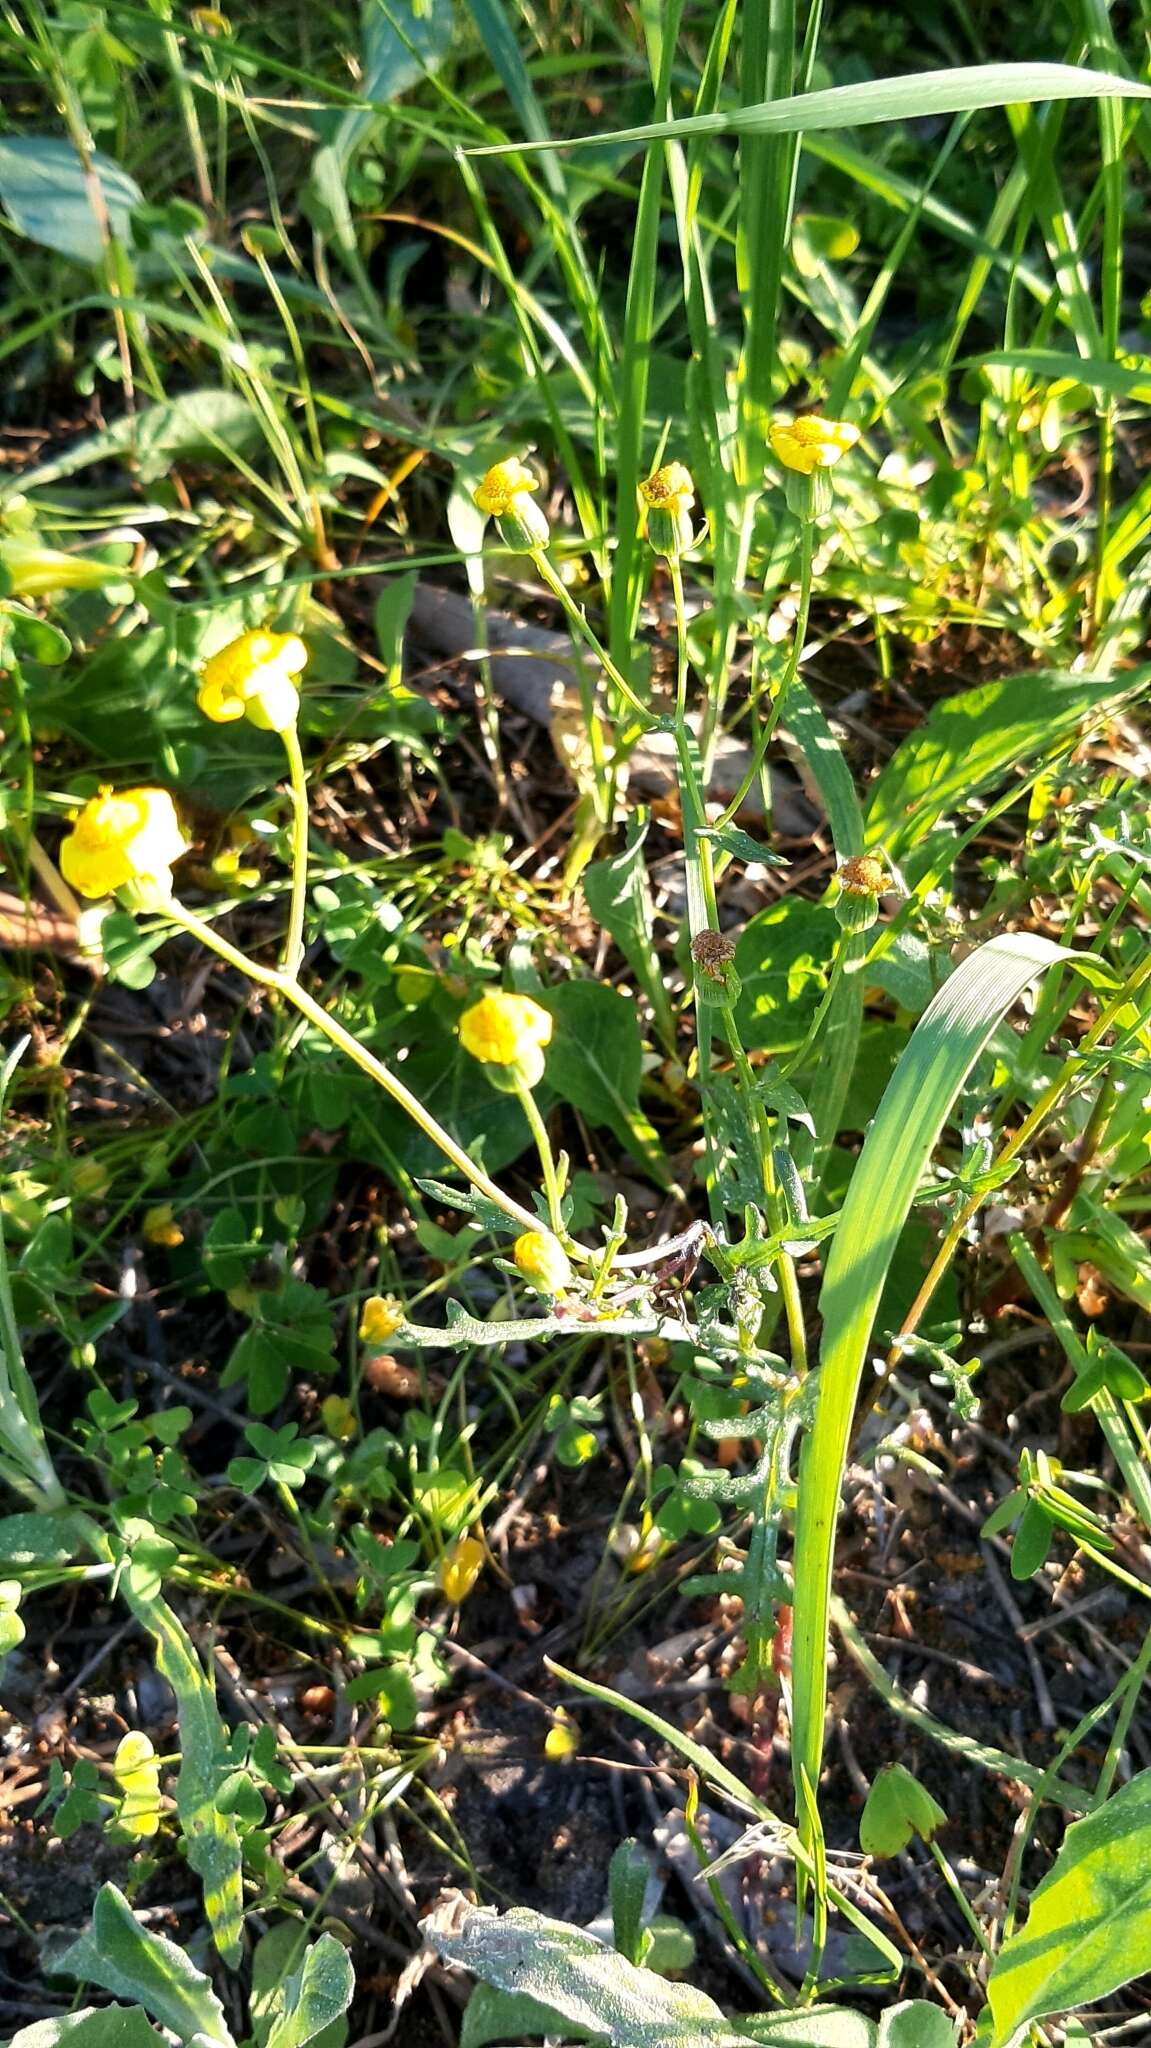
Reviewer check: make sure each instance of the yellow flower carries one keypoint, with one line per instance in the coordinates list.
(506, 1030)
(503, 484)
(811, 443)
(381, 1317)
(670, 489)
(460, 1567)
(669, 496)
(541, 1258)
(160, 1226)
(561, 1743)
(252, 678)
(122, 838)
(506, 494)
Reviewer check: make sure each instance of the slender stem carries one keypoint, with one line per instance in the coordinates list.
(578, 620)
(543, 1145)
(675, 569)
(798, 640)
(339, 1036)
(960, 1896)
(293, 958)
(797, 1059)
(703, 915)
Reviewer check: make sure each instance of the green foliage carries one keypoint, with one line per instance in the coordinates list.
(1089, 1921)
(897, 1807)
(298, 307)
(47, 194)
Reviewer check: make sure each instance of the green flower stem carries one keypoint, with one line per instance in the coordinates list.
(759, 752)
(26, 1464)
(675, 570)
(293, 958)
(543, 1145)
(839, 961)
(959, 1895)
(788, 1281)
(285, 985)
(703, 915)
(577, 619)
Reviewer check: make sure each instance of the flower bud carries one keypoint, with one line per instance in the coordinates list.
(505, 495)
(862, 881)
(460, 1567)
(541, 1258)
(669, 497)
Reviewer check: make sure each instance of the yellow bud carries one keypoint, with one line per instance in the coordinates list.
(339, 1418)
(541, 1258)
(460, 1567)
(160, 1226)
(562, 1740)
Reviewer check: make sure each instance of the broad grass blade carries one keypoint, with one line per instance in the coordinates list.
(942, 1051)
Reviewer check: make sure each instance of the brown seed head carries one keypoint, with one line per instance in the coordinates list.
(713, 951)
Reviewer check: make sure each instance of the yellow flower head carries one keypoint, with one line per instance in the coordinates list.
(124, 837)
(503, 484)
(506, 1030)
(506, 494)
(668, 496)
(460, 1567)
(670, 489)
(811, 443)
(381, 1317)
(541, 1258)
(252, 678)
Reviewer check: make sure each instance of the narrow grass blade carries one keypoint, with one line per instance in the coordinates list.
(944, 1047)
(960, 90)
